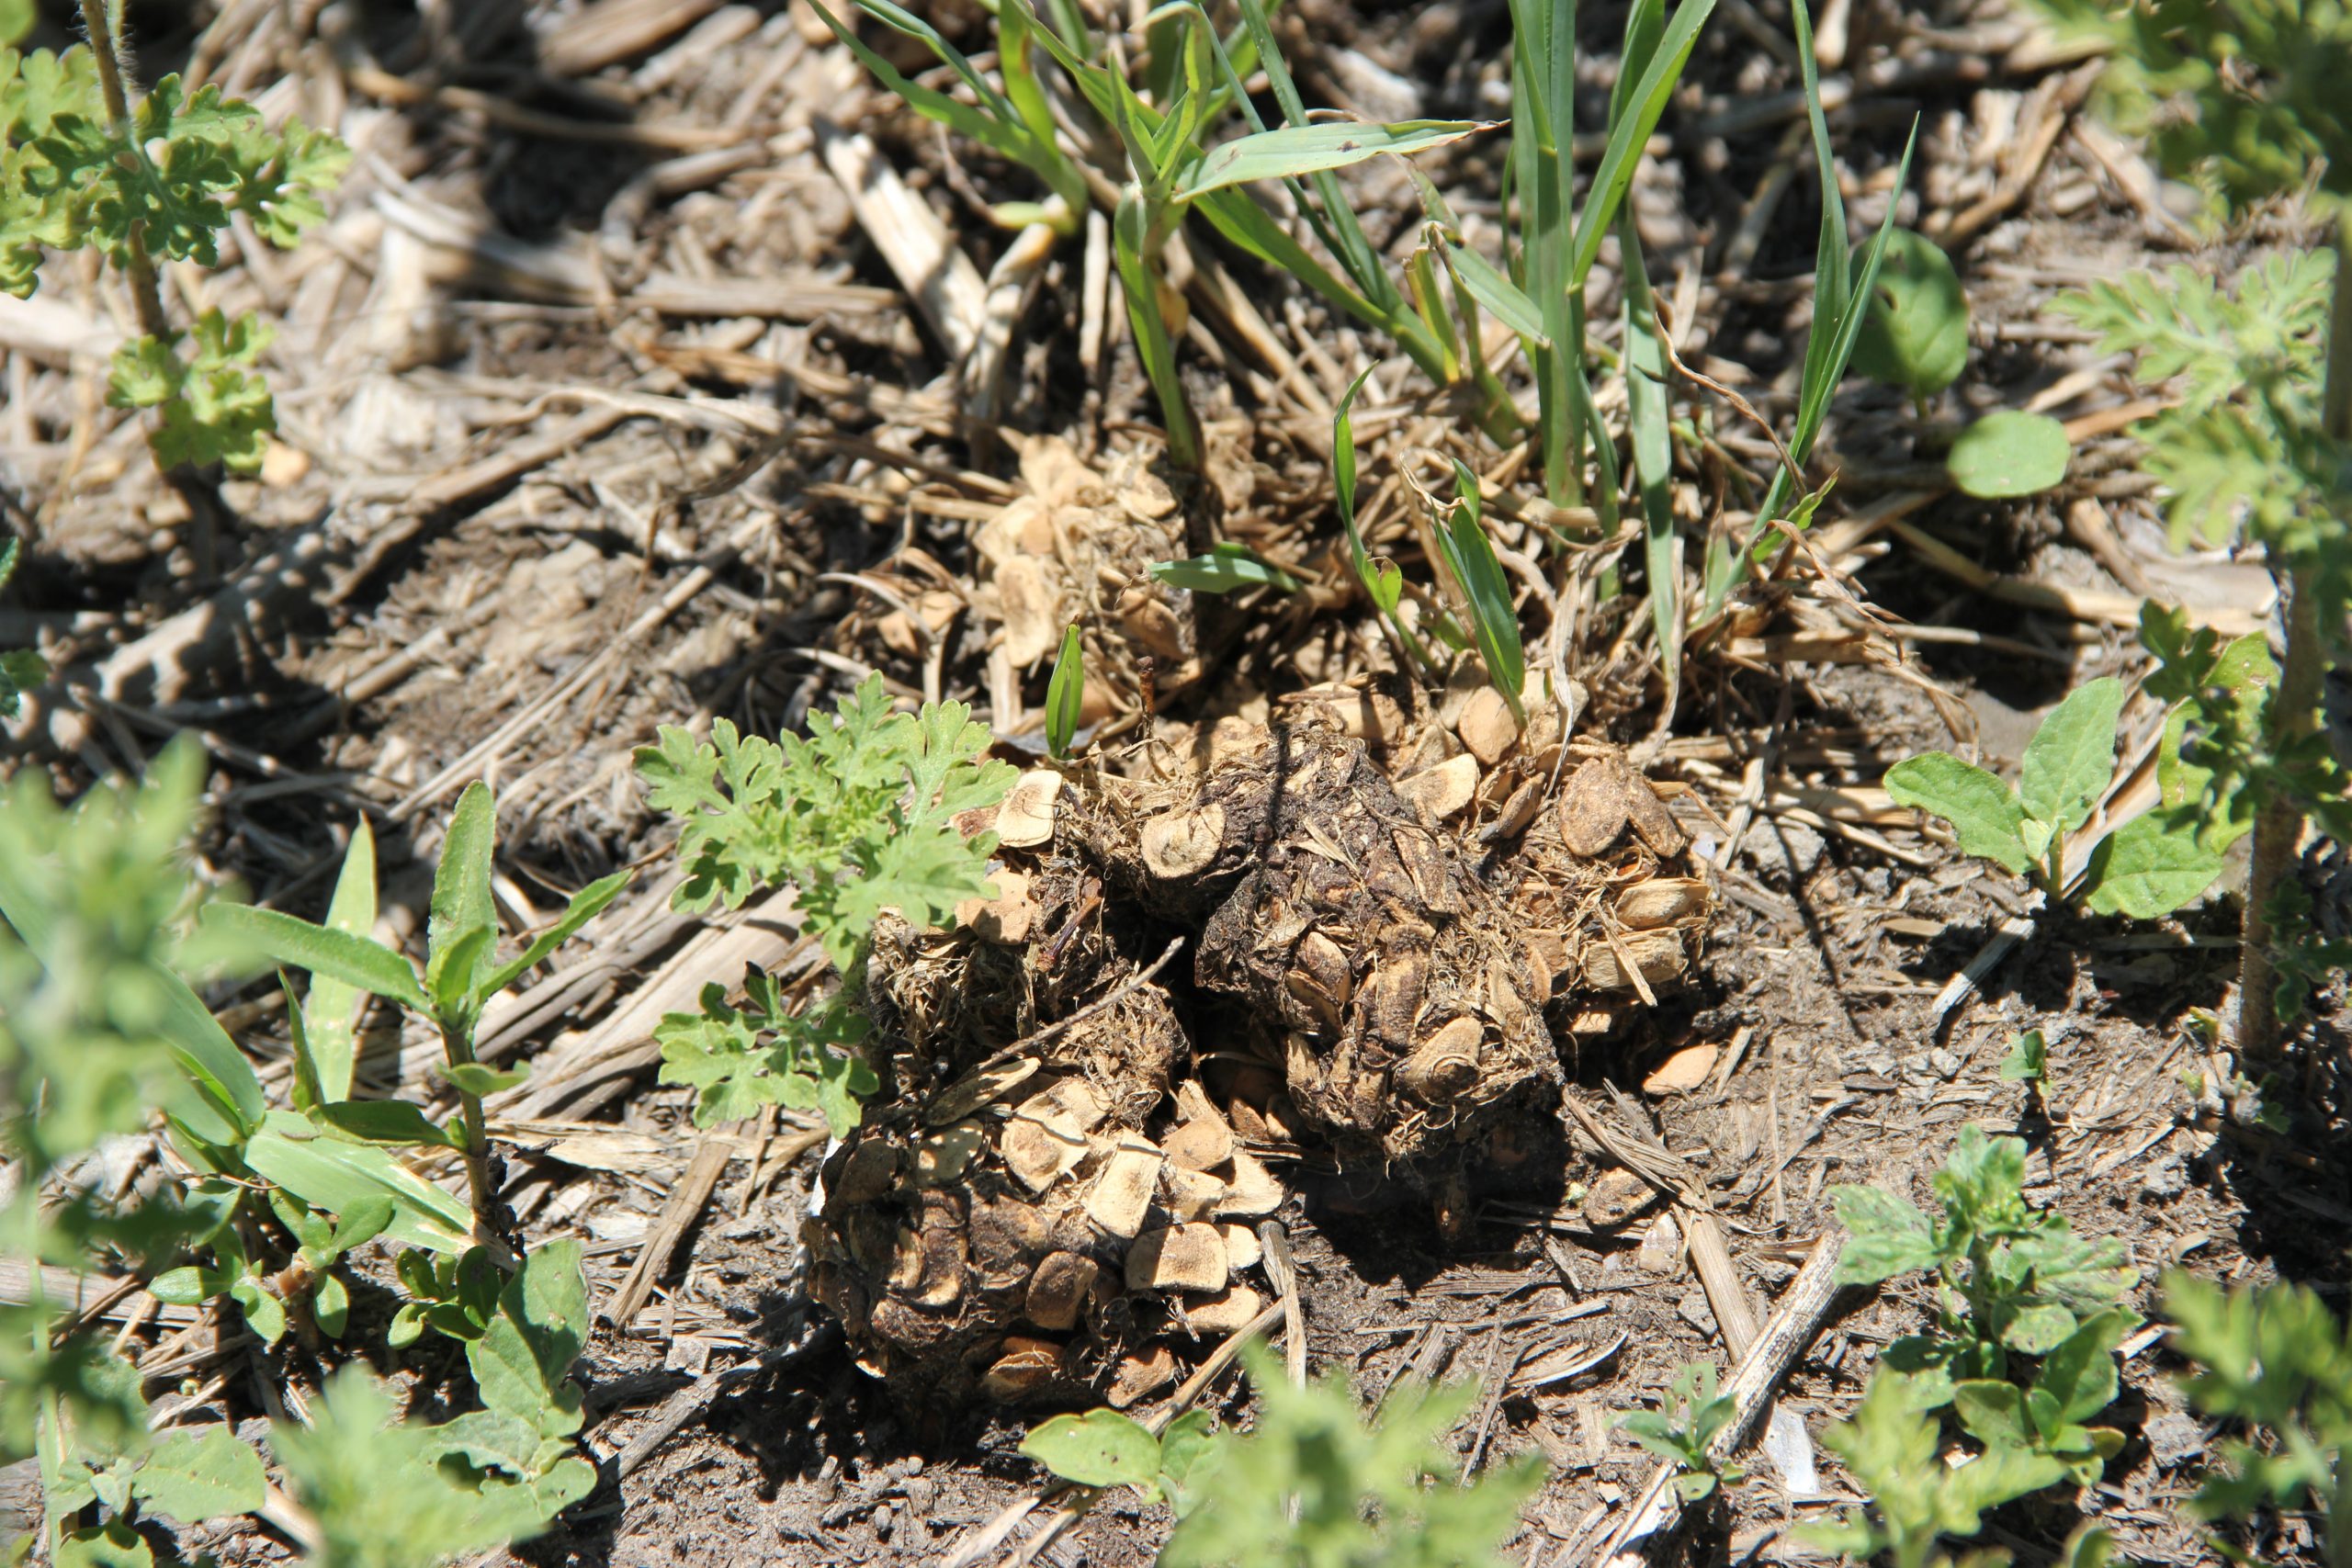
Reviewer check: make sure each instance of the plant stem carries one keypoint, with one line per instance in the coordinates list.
(2294, 703)
(458, 1045)
(204, 505)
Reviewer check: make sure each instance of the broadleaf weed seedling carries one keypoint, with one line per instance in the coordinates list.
(461, 974)
(98, 921)
(86, 162)
(859, 816)
(20, 668)
(1684, 1428)
(2150, 866)
(2010, 1282)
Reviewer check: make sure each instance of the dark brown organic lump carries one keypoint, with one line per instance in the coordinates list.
(1055, 1188)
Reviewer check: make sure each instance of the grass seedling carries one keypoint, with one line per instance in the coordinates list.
(2150, 866)
(1844, 286)
(1066, 694)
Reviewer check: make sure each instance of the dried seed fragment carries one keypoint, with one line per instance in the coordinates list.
(1230, 1311)
(1178, 1258)
(1041, 1143)
(1444, 791)
(1658, 956)
(1190, 1194)
(1662, 901)
(1025, 1366)
(1058, 1290)
(1025, 819)
(1177, 844)
(1252, 1193)
(1202, 1145)
(1122, 1193)
(942, 1157)
(1593, 808)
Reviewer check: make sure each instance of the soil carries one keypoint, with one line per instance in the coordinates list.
(634, 424)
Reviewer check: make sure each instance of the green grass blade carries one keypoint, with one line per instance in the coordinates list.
(1295, 149)
(1494, 620)
(1648, 412)
(1153, 346)
(1630, 133)
(1485, 282)
(1384, 586)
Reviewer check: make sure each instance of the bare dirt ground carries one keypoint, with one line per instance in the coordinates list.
(602, 408)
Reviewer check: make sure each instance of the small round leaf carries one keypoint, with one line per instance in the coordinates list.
(1916, 333)
(2009, 453)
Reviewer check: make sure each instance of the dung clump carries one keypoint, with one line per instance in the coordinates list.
(1056, 1186)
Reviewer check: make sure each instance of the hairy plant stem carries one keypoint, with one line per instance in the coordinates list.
(2294, 703)
(101, 19)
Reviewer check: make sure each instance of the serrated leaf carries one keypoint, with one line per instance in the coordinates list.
(2149, 867)
(2009, 452)
(1983, 812)
(192, 1476)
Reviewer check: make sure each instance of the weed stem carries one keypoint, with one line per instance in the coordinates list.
(2295, 703)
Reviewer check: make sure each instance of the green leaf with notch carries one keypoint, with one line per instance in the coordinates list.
(1101, 1448)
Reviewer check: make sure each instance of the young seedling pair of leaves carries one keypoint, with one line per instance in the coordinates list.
(1103, 1448)
(1683, 1430)
(320, 1245)
(1916, 338)
(859, 816)
(2150, 866)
